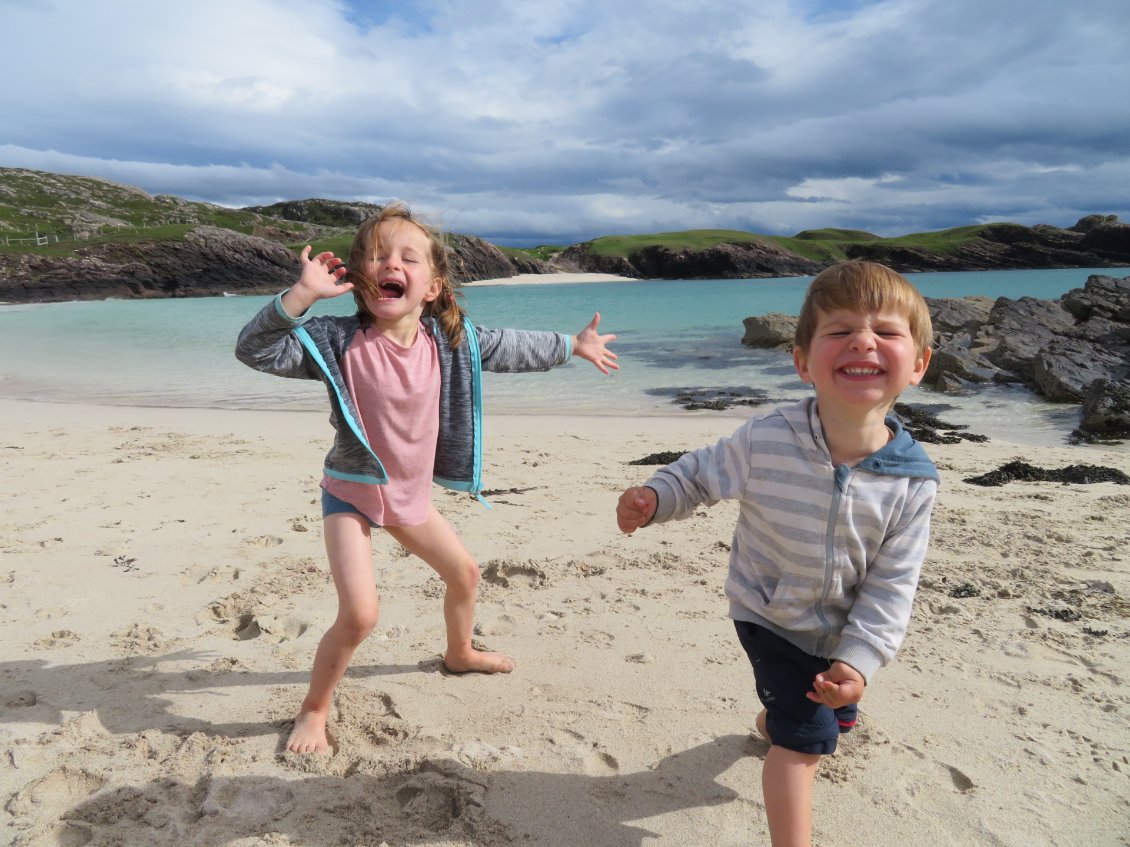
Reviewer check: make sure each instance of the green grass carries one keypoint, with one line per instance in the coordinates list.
(543, 252)
(691, 239)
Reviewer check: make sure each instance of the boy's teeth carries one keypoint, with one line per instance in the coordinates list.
(862, 371)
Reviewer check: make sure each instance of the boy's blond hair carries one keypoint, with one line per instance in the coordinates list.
(366, 245)
(864, 287)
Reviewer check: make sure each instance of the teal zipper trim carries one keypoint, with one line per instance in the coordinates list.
(476, 408)
(353, 424)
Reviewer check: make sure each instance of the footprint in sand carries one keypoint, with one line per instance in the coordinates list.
(440, 794)
(263, 541)
(58, 638)
(50, 796)
(506, 573)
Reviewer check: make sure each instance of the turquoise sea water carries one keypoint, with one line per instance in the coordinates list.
(673, 335)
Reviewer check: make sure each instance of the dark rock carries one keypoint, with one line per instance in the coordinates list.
(1064, 369)
(209, 261)
(1106, 409)
(770, 331)
(1058, 348)
(953, 315)
(956, 361)
(738, 260)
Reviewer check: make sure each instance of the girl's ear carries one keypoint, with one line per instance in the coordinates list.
(435, 289)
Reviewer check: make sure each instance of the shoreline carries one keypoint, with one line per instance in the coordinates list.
(551, 279)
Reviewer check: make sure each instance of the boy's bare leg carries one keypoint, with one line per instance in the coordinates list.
(762, 716)
(436, 542)
(786, 782)
(349, 547)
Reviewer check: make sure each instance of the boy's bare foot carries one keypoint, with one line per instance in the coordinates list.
(761, 726)
(309, 734)
(478, 661)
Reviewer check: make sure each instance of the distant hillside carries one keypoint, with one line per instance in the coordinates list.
(1096, 241)
(71, 237)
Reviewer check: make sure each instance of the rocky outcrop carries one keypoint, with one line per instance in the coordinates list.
(1072, 350)
(1095, 241)
(1011, 246)
(207, 262)
(721, 261)
(474, 259)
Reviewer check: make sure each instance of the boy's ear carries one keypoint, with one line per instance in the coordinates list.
(920, 365)
(800, 362)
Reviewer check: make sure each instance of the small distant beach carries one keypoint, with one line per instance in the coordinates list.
(550, 279)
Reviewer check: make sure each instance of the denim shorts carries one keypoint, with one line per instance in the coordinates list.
(783, 674)
(336, 506)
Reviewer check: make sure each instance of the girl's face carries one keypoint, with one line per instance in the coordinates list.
(402, 270)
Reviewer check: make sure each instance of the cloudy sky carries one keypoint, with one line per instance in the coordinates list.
(554, 121)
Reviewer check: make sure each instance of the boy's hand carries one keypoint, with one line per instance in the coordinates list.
(588, 344)
(838, 686)
(636, 508)
(320, 279)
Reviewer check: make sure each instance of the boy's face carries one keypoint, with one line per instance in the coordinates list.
(861, 360)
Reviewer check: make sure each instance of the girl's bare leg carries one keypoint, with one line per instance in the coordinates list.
(350, 551)
(436, 542)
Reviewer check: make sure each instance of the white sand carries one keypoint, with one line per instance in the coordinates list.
(164, 588)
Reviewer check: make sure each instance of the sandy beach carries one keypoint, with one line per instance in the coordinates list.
(165, 586)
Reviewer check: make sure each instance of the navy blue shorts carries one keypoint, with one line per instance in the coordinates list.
(783, 674)
(335, 506)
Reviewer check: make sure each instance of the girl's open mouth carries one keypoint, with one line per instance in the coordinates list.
(391, 290)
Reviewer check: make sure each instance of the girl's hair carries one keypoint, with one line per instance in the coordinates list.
(367, 245)
(864, 287)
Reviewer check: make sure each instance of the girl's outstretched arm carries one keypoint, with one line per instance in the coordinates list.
(589, 344)
(320, 279)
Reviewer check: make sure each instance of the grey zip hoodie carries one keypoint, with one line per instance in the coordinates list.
(826, 557)
(313, 348)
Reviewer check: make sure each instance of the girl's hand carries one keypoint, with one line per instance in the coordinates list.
(588, 344)
(320, 280)
(636, 508)
(838, 686)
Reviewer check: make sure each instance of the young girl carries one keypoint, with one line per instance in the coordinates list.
(404, 382)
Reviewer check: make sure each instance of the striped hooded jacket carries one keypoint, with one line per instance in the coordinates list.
(826, 557)
(313, 348)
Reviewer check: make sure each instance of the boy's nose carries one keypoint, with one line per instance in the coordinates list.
(863, 340)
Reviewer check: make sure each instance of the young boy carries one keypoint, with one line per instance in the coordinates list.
(834, 522)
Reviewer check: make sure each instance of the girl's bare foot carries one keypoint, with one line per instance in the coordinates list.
(478, 661)
(309, 733)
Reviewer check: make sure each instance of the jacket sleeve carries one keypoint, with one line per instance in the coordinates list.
(268, 344)
(702, 477)
(520, 351)
(880, 615)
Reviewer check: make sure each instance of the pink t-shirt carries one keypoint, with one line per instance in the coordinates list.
(396, 392)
